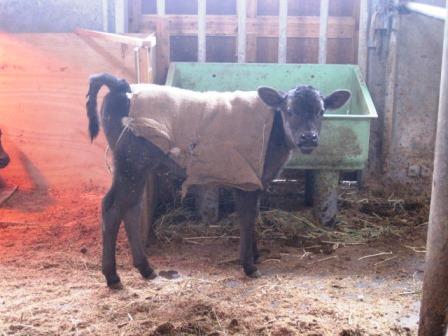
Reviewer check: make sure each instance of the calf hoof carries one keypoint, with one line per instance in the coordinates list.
(146, 271)
(252, 272)
(255, 275)
(114, 282)
(331, 223)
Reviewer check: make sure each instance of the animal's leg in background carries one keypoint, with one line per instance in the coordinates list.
(247, 209)
(110, 225)
(254, 239)
(325, 196)
(132, 223)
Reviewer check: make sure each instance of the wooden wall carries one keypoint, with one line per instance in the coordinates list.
(177, 30)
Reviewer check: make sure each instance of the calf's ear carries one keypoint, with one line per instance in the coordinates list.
(337, 99)
(271, 96)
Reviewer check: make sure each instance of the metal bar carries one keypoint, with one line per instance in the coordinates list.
(282, 31)
(202, 49)
(242, 15)
(428, 10)
(362, 43)
(324, 5)
(435, 290)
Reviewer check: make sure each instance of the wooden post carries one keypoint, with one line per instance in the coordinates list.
(135, 14)
(105, 12)
(251, 38)
(434, 308)
(163, 43)
(323, 27)
(282, 31)
(242, 16)
(202, 34)
(389, 104)
(362, 44)
(121, 16)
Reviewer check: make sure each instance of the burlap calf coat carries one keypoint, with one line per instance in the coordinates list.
(220, 138)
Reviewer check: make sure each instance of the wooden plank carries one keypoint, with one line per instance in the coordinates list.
(303, 50)
(362, 44)
(163, 48)
(121, 16)
(324, 5)
(42, 91)
(202, 48)
(135, 14)
(144, 65)
(148, 41)
(105, 14)
(242, 16)
(262, 26)
(282, 31)
(251, 39)
(161, 7)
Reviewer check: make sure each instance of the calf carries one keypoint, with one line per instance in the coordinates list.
(297, 117)
(4, 157)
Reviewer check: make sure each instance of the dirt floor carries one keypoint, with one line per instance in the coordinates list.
(51, 283)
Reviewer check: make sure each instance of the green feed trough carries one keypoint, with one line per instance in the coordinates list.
(344, 141)
(344, 138)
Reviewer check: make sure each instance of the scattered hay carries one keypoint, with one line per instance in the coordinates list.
(362, 219)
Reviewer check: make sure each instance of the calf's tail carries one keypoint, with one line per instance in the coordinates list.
(114, 85)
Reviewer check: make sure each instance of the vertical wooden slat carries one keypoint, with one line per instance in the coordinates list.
(242, 15)
(202, 48)
(135, 14)
(121, 16)
(324, 4)
(282, 31)
(251, 39)
(362, 44)
(105, 8)
(160, 7)
(389, 103)
(137, 64)
(163, 43)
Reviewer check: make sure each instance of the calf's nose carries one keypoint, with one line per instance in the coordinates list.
(310, 137)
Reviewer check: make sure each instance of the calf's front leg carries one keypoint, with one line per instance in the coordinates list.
(247, 209)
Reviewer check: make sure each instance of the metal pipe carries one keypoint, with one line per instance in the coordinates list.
(428, 10)
(434, 306)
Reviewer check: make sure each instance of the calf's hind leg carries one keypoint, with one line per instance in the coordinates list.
(132, 226)
(110, 226)
(123, 203)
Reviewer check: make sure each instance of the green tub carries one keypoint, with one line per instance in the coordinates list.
(344, 139)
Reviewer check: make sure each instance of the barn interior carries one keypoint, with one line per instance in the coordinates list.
(379, 173)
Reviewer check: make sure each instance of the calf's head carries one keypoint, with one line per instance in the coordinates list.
(4, 157)
(302, 110)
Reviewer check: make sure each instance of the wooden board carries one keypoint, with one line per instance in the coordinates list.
(43, 83)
